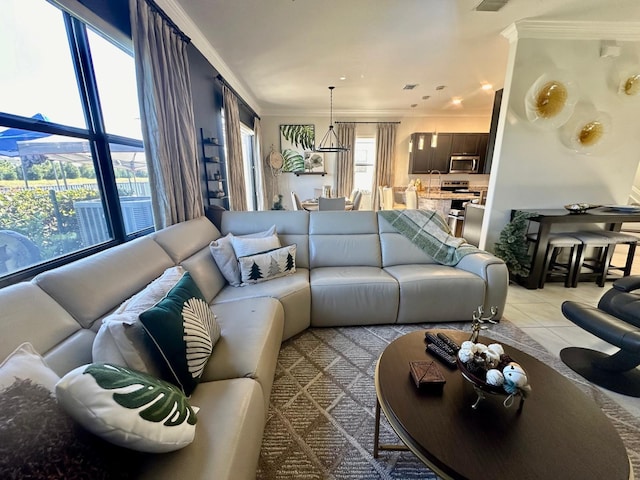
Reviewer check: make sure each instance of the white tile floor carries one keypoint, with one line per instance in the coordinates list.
(538, 313)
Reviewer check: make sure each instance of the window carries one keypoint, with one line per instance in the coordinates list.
(73, 175)
(249, 167)
(364, 168)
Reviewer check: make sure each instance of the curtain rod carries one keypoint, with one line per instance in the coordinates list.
(221, 79)
(154, 6)
(368, 122)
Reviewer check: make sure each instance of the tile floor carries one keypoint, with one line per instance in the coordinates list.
(538, 313)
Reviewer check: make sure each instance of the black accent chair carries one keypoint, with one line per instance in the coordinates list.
(617, 321)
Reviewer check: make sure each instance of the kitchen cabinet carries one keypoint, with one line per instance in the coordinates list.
(427, 159)
(467, 143)
(495, 115)
(423, 158)
(215, 175)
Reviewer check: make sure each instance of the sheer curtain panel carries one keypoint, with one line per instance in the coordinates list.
(385, 148)
(235, 175)
(166, 109)
(344, 162)
(260, 167)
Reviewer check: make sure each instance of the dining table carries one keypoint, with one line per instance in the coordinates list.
(311, 204)
(611, 216)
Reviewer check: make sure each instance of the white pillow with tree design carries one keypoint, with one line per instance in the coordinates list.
(268, 265)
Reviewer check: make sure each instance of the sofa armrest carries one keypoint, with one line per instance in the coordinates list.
(627, 284)
(494, 272)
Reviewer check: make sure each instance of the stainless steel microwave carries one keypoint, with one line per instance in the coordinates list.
(464, 164)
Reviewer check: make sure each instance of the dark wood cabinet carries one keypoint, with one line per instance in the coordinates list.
(442, 153)
(427, 158)
(420, 153)
(495, 115)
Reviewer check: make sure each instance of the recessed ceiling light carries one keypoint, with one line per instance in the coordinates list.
(456, 101)
(343, 77)
(487, 86)
(410, 86)
(426, 97)
(441, 87)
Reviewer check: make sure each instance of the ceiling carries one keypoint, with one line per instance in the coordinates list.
(281, 55)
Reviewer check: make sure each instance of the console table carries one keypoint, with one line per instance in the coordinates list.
(613, 220)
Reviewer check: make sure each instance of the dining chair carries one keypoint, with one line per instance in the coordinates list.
(352, 197)
(295, 200)
(411, 199)
(388, 202)
(356, 201)
(325, 203)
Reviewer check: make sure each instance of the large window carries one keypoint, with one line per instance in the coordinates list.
(364, 168)
(73, 174)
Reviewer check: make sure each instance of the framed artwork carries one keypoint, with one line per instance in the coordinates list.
(295, 142)
(313, 162)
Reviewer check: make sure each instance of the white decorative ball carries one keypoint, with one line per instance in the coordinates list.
(497, 348)
(465, 355)
(467, 345)
(495, 377)
(515, 374)
(480, 348)
(493, 359)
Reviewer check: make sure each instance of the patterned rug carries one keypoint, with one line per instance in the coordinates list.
(321, 417)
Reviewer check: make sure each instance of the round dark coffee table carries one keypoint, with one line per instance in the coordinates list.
(560, 433)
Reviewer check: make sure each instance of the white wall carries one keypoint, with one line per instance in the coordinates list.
(532, 168)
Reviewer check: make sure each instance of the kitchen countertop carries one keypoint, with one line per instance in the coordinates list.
(446, 195)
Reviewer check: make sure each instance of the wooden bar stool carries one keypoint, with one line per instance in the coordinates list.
(607, 242)
(557, 242)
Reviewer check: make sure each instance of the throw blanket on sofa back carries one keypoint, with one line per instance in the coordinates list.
(428, 231)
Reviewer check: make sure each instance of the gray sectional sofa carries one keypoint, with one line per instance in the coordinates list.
(352, 268)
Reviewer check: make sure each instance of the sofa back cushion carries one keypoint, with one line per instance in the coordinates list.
(28, 314)
(187, 243)
(339, 238)
(397, 249)
(292, 227)
(93, 286)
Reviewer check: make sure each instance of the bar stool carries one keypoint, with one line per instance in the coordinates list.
(607, 241)
(558, 241)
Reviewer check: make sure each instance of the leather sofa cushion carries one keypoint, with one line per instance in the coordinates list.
(91, 287)
(226, 446)
(353, 296)
(30, 315)
(292, 291)
(436, 293)
(205, 273)
(345, 250)
(251, 332)
(182, 240)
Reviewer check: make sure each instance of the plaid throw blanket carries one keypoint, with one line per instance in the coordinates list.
(428, 231)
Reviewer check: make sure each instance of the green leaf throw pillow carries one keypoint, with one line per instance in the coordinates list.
(128, 408)
(184, 330)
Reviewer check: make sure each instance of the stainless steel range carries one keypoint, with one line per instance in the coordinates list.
(456, 213)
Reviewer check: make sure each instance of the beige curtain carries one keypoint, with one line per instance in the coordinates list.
(166, 109)
(235, 162)
(344, 162)
(261, 167)
(385, 153)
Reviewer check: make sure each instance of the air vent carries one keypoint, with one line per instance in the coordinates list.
(491, 5)
(410, 86)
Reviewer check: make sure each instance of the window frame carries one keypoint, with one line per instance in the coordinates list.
(98, 139)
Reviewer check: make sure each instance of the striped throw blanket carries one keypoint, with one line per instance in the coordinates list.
(428, 231)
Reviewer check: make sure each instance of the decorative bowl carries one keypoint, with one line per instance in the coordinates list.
(579, 207)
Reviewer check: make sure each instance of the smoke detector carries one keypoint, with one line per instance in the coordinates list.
(491, 5)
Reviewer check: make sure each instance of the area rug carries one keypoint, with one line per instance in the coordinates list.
(322, 410)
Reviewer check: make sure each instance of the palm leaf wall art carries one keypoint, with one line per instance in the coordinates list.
(295, 140)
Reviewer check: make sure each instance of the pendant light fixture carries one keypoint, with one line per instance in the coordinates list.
(330, 142)
(434, 139)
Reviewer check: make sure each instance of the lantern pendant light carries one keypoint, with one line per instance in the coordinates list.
(330, 142)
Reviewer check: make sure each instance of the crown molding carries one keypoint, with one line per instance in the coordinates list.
(572, 30)
(363, 114)
(182, 20)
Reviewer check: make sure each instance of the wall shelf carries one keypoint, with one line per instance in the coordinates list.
(310, 173)
(216, 193)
